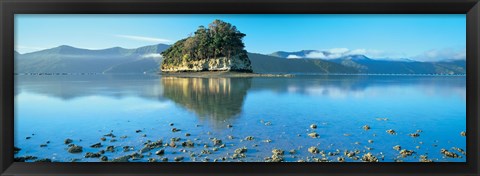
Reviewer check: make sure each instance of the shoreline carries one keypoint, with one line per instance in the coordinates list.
(222, 74)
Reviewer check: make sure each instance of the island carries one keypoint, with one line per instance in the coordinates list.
(216, 48)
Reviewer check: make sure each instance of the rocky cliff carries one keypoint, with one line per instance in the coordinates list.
(235, 63)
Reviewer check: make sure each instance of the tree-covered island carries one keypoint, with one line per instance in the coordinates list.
(216, 48)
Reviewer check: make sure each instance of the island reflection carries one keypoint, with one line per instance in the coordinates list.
(212, 99)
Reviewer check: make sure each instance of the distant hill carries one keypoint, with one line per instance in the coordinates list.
(364, 64)
(67, 59)
(269, 64)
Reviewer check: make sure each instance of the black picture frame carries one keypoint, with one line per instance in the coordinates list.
(8, 8)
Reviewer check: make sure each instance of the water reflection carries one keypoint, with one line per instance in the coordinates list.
(219, 99)
(214, 99)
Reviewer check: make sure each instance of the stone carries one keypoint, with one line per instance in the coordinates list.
(75, 149)
(313, 150)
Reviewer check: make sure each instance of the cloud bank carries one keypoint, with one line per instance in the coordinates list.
(442, 54)
(431, 55)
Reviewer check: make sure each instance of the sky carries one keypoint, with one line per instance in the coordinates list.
(419, 37)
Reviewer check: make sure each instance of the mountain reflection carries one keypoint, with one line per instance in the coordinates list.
(213, 99)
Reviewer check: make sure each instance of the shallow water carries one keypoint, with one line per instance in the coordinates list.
(84, 108)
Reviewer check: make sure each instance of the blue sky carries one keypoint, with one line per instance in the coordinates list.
(420, 37)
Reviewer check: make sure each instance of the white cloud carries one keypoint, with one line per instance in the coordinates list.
(145, 39)
(27, 49)
(152, 55)
(442, 54)
(293, 56)
(316, 55)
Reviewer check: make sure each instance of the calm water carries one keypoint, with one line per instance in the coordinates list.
(84, 108)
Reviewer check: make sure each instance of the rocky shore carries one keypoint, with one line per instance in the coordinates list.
(179, 149)
(221, 74)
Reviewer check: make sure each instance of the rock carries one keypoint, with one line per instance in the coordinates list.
(144, 135)
(340, 159)
(156, 144)
(175, 130)
(122, 159)
(314, 135)
(111, 148)
(459, 150)
(216, 141)
(92, 155)
(171, 124)
(45, 160)
(28, 138)
(404, 153)
(267, 141)
(187, 134)
(240, 150)
(249, 138)
(313, 150)
(414, 135)
(138, 131)
(68, 141)
(206, 152)
(397, 147)
(24, 158)
(43, 145)
(449, 154)
(75, 149)
(424, 158)
(175, 139)
(313, 126)
(160, 152)
(103, 139)
(97, 145)
(188, 143)
(164, 159)
(145, 149)
(277, 152)
(178, 158)
(16, 150)
(127, 148)
(104, 158)
(276, 158)
(102, 152)
(349, 154)
(463, 133)
(136, 156)
(238, 62)
(366, 127)
(172, 144)
(392, 132)
(110, 135)
(123, 137)
(369, 158)
(292, 152)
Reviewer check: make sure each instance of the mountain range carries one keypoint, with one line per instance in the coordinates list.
(68, 59)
